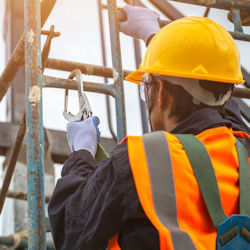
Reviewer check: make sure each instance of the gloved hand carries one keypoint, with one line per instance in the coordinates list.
(141, 22)
(84, 135)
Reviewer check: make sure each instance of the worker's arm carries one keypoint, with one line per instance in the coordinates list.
(141, 23)
(87, 205)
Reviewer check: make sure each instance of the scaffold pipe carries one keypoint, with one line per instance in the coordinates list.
(53, 82)
(34, 126)
(87, 69)
(10, 241)
(16, 59)
(20, 195)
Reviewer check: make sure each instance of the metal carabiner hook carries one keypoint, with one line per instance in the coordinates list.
(84, 106)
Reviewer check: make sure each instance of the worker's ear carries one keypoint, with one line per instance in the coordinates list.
(163, 95)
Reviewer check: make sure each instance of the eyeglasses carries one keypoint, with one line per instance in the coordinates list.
(143, 90)
(146, 81)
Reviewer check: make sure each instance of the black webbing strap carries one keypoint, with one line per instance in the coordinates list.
(244, 178)
(205, 176)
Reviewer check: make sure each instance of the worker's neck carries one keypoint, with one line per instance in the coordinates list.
(166, 124)
(170, 123)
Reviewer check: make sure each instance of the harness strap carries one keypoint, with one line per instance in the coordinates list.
(244, 178)
(205, 176)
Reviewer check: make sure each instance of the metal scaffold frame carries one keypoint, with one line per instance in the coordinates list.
(29, 48)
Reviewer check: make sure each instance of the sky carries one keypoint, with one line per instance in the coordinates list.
(77, 21)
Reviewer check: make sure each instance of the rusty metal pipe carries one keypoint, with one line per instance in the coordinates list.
(53, 82)
(88, 69)
(236, 35)
(20, 195)
(16, 59)
(167, 9)
(48, 32)
(117, 70)
(241, 93)
(104, 63)
(20, 135)
(34, 126)
(46, 48)
(10, 241)
(12, 162)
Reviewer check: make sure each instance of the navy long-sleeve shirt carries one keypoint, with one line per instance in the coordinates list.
(93, 202)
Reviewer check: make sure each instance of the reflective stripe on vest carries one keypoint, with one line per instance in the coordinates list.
(164, 201)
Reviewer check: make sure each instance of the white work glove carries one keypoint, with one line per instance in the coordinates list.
(141, 22)
(84, 135)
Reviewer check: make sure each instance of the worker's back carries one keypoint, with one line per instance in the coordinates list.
(192, 218)
(93, 203)
(192, 215)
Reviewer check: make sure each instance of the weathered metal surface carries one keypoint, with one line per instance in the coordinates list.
(246, 77)
(88, 69)
(53, 82)
(10, 241)
(108, 89)
(48, 32)
(242, 93)
(235, 35)
(167, 9)
(117, 70)
(240, 36)
(137, 2)
(20, 195)
(34, 126)
(16, 60)
(20, 135)
(46, 47)
(138, 59)
(236, 20)
(12, 162)
(244, 5)
(104, 63)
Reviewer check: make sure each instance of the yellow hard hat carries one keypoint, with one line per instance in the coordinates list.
(192, 47)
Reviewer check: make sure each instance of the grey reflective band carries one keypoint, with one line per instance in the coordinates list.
(163, 189)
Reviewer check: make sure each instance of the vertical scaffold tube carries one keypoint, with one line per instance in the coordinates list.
(34, 126)
(117, 70)
(104, 63)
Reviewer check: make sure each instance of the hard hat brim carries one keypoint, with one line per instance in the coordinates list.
(136, 76)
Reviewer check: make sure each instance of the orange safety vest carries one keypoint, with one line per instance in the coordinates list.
(169, 193)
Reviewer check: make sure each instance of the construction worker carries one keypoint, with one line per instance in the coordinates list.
(149, 194)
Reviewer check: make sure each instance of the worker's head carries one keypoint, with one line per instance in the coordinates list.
(193, 62)
(170, 101)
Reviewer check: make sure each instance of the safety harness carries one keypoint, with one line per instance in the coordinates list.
(232, 232)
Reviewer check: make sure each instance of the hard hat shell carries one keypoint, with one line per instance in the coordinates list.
(192, 47)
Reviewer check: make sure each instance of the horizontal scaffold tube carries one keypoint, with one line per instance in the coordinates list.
(20, 195)
(10, 241)
(88, 69)
(108, 89)
(242, 93)
(222, 4)
(53, 82)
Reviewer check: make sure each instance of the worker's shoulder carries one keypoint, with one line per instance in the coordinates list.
(120, 151)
